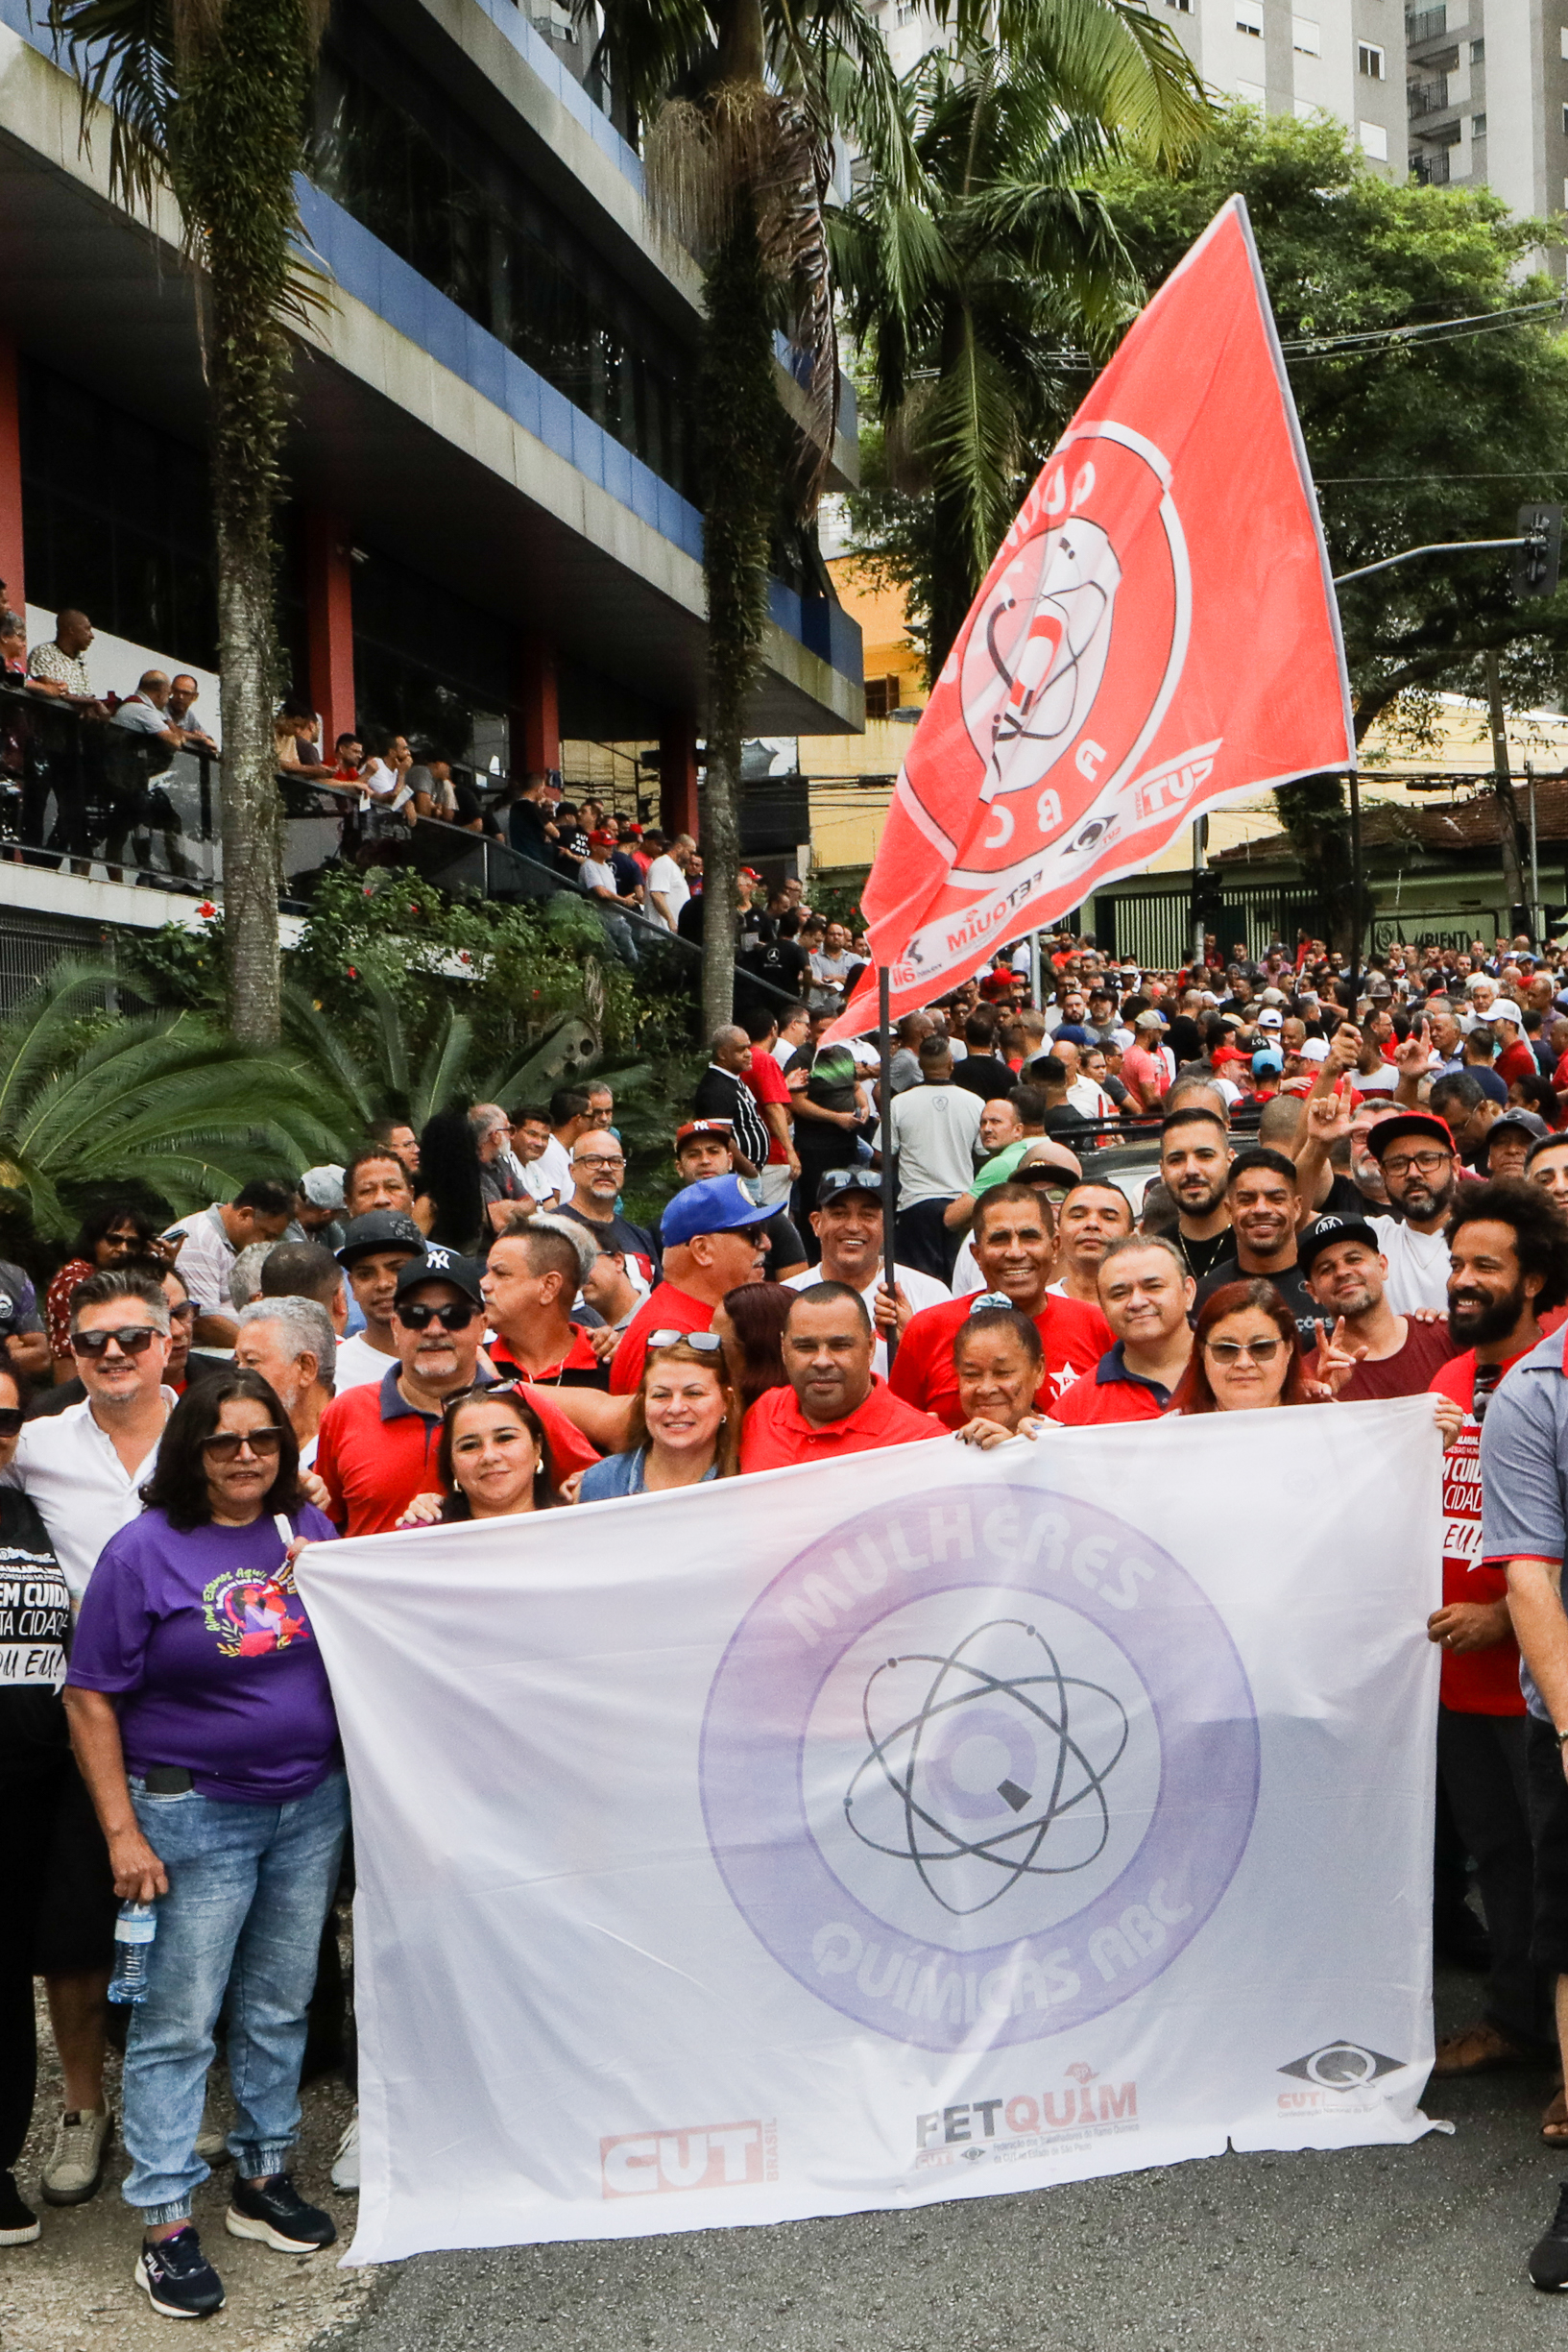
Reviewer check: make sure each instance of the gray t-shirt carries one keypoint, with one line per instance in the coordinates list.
(1524, 1470)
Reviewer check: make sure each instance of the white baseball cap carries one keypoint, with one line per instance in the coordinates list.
(1270, 1019)
(1315, 1049)
(1506, 1009)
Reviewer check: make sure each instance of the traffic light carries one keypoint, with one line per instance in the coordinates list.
(1535, 563)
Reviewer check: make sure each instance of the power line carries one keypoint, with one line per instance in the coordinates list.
(1528, 474)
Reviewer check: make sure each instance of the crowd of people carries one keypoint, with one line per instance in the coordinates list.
(1127, 1196)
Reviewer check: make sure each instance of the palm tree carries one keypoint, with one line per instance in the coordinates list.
(743, 99)
(964, 289)
(207, 100)
(165, 1101)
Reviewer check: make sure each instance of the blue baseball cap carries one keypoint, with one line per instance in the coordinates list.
(718, 1204)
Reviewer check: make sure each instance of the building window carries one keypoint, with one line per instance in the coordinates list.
(1374, 141)
(882, 697)
(116, 518)
(1478, 126)
(1249, 17)
(905, 14)
(423, 176)
(1369, 61)
(1306, 36)
(1478, 50)
(1183, 8)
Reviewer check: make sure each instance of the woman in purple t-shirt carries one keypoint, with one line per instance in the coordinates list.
(201, 1718)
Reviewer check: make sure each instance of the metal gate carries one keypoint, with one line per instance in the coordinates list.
(1153, 929)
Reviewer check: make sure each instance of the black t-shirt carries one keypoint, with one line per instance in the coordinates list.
(1290, 1284)
(783, 963)
(985, 1075)
(1346, 1199)
(35, 1632)
(1203, 1256)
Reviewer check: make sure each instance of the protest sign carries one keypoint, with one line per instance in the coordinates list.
(920, 1825)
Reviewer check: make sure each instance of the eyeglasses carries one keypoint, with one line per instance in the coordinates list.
(839, 1180)
(706, 1343)
(1229, 1353)
(454, 1317)
(12, 1417)
(1427, 1162)
(224, 1445)
(600, 1160)
(184, 1315)
(132, 1339)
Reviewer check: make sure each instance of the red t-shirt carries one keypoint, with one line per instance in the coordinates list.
(578, 1369)
(777, 1433)
(1409, 1372)
(1516, 1061)
(1474, 1681)
(766, 1081)
(376, 1453)
(1074, 1335)
(1110, 1393)
(665, 1309)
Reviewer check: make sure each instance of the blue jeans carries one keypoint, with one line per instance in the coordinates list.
(249, 1888)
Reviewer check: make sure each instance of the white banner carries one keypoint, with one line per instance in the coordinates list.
(922, 1825)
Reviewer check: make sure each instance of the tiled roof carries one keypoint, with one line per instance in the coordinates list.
(1443, 825)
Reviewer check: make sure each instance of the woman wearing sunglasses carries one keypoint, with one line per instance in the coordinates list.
(1244, 1354)
(203, 1723)
(686, 1423)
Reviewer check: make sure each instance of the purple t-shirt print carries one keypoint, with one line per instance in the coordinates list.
(201, 1636)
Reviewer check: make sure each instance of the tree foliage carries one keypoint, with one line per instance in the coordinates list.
(207, 100)
(1418, 440)
(964, 284)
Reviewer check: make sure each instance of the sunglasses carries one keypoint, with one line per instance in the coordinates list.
(455, 1316)
(484, 1390)
(132, 1339)
(706, 1343)
(184, 1315)
(12, 1417)
(838, 1181)
(1231, 1352)
(223, 1446)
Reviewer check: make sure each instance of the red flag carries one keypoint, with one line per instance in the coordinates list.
(1157, 633)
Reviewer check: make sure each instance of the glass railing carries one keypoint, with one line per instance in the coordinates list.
(82, 796)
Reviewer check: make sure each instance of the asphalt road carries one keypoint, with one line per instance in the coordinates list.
(1421, 2249)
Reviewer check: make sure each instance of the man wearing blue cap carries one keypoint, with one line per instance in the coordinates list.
(713, 1237)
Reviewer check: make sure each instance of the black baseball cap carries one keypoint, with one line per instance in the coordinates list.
(1425, 1123)
(379, 1229)
(834, 1182)
(1324, 1231)
(437, 1263)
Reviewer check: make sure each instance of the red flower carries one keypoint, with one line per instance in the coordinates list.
(207, 907)
(463, 956)
(352, 974)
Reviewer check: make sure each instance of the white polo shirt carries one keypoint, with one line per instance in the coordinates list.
(65, 1464)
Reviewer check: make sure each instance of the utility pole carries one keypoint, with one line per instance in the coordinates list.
(1508, 808)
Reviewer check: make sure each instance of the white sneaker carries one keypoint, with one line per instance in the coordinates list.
(75, 2165)
(346, 2163)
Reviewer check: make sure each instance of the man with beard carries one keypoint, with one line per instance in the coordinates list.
(1421, 1168)
(1509, 1264)
(1260, 1193)
(1194, 1161)
(1348, 1273)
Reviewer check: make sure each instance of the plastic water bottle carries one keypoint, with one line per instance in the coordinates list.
(134, 1933)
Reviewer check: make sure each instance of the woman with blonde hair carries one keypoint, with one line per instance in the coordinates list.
(685, 1424)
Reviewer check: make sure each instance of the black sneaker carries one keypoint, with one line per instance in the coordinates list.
(275, 2213)
(179, 2281)
(19, 2225)
(1549, 2263)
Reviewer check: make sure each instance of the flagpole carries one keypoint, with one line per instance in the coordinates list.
(884, 1094)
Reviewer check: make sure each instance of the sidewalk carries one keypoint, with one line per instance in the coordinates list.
(72, 2291)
